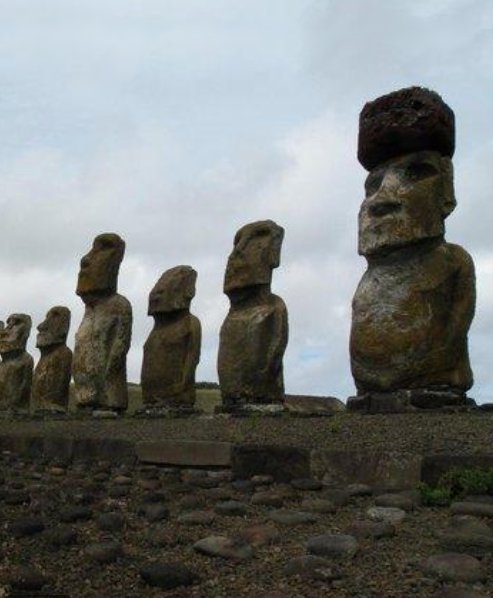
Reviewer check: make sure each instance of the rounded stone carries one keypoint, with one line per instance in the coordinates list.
(104, 552)
(267, 499)
(452, 566)
(197, 518)
(231, 508)
(312, 567)
(110, 522)
(333, 545)
(306, 484)
(318, 505)
(27, 579)
(372, 529)
(27, 526)
(287, 517)
(167, 575)
(388, 514)
(224, 547)
(398, 501)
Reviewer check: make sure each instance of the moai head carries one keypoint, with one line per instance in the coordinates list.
(13, 337)
(256, 252)
(54, 329)
(406, 141)
(98, 274)
(173, 291)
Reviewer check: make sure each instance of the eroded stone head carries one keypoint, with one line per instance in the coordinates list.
(256, 252)
(54, 329)
(98, 274)
(406, 140)
(173, 291)
(13, 337)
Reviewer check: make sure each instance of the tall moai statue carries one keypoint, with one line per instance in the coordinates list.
(16, 367)
(414, 305)
(172, 350)
(254, 334)
(103, 339)
(52, 374)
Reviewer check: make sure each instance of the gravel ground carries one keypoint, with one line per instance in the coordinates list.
(467, 433)
(386, 567)
(136, 497)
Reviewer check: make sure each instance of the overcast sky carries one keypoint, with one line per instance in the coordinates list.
(175, 122)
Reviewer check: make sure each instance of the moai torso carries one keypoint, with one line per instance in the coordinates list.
(414, 305)
(103, 339)
(51, 382)
(16, 368)
(254, 334)
(252, 344)
(172, 350)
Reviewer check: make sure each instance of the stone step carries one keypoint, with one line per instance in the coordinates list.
(185, 453)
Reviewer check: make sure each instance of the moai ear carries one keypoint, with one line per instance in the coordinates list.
(448, 201)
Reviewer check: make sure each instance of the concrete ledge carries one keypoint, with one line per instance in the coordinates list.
(185, 453)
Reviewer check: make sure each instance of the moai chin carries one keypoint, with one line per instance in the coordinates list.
(172, 350)
(254, 334)
(16, 367)
(103, 339)
(414, 305)
(52, 374)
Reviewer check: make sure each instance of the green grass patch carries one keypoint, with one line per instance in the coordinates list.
(457, 483)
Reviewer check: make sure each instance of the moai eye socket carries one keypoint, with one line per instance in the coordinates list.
(417, 171)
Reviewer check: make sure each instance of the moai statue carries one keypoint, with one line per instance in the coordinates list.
(172, 351)
(51, 382)
(414, 305)
(254, 334)
(16, 367)
(103, 339)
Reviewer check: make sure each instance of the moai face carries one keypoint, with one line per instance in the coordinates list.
(98, 274)
(173, 291)
(54, 329)
(407, 200)
(14, 336)
(256, 251)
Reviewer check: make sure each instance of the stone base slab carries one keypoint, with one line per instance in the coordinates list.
(404, 401)
(185, 453)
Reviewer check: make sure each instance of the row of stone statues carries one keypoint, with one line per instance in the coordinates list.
(252, 342)
(411, 311)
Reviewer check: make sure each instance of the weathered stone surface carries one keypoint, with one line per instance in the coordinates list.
(235, 549)
(53, 371)
(472, 508)
(308, 405)
(254, 334)
(24, 578)
(333, 545)
(372, 529)
(172, 350)
(260, 535)
(231, 508)
(288, 517)
(283, 463)
(318, 505)
(103, 338)
(16, 367)
(414, 305)
(167, 575)
(451, 566)
(104, 552)
(400, 501)
(391, 515)
(385, 470)
(191, 453)
(403, 122)
(312, 567)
